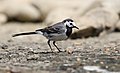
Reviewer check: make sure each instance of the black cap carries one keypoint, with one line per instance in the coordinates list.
(68, 20)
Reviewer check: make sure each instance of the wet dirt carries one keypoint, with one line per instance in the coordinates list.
(31, 54)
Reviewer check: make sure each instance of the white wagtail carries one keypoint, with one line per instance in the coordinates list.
(57, 32)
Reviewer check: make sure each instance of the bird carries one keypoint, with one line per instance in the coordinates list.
(56, 32)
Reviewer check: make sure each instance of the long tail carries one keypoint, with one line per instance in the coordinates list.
(26, 33)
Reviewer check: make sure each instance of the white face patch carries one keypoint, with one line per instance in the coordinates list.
(69, 24)
(73, 23)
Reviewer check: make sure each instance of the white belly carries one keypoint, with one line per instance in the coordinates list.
(56, 37)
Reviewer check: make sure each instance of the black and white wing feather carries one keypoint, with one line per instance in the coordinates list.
(56, 31)
(58, 28)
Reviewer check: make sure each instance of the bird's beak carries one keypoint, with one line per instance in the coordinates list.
(76, 27)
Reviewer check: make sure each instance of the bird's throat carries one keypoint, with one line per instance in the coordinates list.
(69, 31)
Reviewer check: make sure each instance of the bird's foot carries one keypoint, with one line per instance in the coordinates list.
(59, 50)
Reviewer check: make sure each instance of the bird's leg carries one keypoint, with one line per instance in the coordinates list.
(56, 46)
(49, 45)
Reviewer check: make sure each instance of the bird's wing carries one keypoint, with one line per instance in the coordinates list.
(57, 28)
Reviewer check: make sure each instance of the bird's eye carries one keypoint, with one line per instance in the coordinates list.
(70, 23)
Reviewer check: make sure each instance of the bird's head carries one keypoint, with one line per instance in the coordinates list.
(70, 23)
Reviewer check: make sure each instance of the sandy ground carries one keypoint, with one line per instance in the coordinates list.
(31, 54)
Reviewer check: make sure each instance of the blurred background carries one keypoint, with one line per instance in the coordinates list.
(94, 17)
(97, 19)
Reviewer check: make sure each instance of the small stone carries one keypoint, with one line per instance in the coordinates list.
(79, 61)
(101, 62)
(106, 66)
(33, 57)
(4, 46)
(69, 50)
(77, 44)
(107, 49)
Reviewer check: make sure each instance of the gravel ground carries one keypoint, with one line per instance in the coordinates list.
(31, 54)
